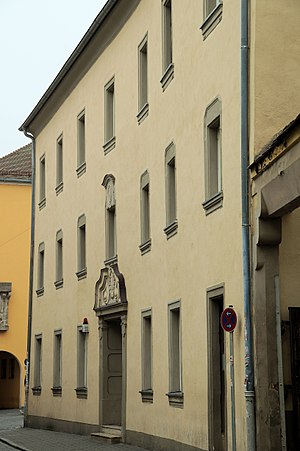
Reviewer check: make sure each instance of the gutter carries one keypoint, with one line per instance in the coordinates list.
(29, 327)
(249, 368)
(21, 181)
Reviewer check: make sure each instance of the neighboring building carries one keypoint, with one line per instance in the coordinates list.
(138, 242)
(276, 301)
(15, 201)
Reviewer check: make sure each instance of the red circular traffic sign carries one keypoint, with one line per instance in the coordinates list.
(228, 319)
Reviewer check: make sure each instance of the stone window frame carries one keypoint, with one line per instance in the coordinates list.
(37, 372)
(59, 165)
(109, 183)
(109, 116)
(212, 145)
(81, 248)
(211, 18)
(147, 355)
(41, 269)
(143, 80)
(57, 363)
(175, 394)
(146, 241)
(42, 180)
(81, 143)
(170, 191)
(82, 355)
(59, 281)
(167, 44)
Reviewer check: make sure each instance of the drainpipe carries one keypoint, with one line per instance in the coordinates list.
(249, 373)
(29, 135)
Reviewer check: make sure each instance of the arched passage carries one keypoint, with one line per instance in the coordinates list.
(9, 381)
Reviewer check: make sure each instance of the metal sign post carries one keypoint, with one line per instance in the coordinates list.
(228, 323)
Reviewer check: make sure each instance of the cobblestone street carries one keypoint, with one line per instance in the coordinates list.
(14, 436)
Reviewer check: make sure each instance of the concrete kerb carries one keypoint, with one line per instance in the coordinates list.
(13, 445)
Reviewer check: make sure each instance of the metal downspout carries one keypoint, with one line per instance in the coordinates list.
(29, 135)
(249, 373)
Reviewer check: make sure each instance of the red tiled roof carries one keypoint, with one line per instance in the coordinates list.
(17, 164)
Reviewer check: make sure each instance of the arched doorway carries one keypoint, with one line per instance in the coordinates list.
(9, 381)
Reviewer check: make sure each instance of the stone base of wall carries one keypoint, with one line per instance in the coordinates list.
(153, 442)
(53, 424)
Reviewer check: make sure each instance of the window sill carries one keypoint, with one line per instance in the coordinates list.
(143, 113)
(212, 21)
(176, 399)
(40, 292)
(81, 392)
(111, 261)
(147, 395)
(81, 274)
(36, 391)
(59, 283)
(81, 169)
(213, 203)
(145, 247)
(109, 145)
(42, 203)
(167, 77)
(56, 391)
(171, 229)
(59, 188)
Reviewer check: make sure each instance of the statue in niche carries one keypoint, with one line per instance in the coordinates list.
(110, 195)
(5, 292)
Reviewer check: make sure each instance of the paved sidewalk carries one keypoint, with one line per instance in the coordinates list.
(14, 437)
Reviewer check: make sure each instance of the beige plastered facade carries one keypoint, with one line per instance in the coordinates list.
(205, 252)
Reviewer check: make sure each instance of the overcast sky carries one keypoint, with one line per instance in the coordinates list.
(36, 38)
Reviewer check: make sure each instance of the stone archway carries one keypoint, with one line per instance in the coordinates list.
(10, 381)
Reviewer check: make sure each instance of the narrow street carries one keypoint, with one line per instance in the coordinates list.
(14, 437)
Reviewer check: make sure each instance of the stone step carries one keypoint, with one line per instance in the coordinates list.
(111, 429)
(105, 437)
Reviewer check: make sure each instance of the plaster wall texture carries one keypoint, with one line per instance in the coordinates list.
(206, 250)
(274, 68)
(14, 267)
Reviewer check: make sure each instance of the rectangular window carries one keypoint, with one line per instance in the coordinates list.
(170, 174)
(81, 247)
(147, 389)
(143, 80)
(210, 5)
(81, 163)
(3, 368)
(216, 369)
(111, 232)
(109, 116)
(167, 34)
(59, 165)
(81, 389)
(167, 50)
(213, 171)
(57, 364)
(42, 201)
(175, 361)
(37, 377)
(145, 213)
(41, 270)
(59, 259)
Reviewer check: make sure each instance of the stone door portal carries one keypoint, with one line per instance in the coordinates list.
(111, 310)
